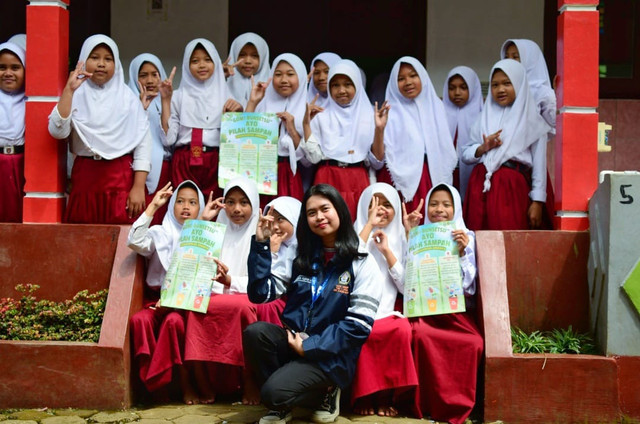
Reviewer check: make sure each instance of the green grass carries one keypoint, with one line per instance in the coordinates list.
(555, 341)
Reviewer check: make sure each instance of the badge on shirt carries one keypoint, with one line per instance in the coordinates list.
(345, 278)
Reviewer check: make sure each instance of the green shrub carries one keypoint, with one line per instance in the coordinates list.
(556, 341)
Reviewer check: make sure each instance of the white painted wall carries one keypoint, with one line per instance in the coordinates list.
(165, 35)
(471, 32)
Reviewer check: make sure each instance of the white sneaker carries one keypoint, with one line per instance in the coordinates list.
(276, 417)
(330, 408)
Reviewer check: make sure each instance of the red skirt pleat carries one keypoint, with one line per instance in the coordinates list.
(217, 335)
(503, 207)
(447, 350)
(350, 182)
(165, 177)
(288, 184)
(385, 362)
(99, 191)
(270, 312)
(12, 187)
(425, 184)
(205, 176)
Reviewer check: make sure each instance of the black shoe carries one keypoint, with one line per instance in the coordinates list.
(330, 408)
(276, 417)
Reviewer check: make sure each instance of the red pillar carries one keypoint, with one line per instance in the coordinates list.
(47, 72)
(577, 123)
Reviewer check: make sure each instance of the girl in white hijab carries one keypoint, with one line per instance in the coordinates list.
(418, 148)
(285, 97)
(339, 139)
(319, 83)
(462, 98)
(196, 114)
(507, 187)
(379, 224)
(12, 111)
(248, 56)
(109, 130)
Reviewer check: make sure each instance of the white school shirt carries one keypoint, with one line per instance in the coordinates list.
(12, 105)
(179, 135)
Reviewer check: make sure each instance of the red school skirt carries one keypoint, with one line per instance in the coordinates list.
(288, 183)
(349, 181)
(12, 187)
(165, 177)
(99, 191)
(384, 176)
(205, 176)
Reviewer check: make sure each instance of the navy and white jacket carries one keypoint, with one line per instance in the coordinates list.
(341, 318)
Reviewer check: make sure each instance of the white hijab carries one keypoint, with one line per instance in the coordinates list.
(153, 112)
(417, 127)
(165, 236)
(323, 99)
(19, 40)
(282, 264)
(237, 238)
(521, 124)
(533, 61)
(239, 85)
(350, 127)
(108, 118)
(295, 104)
(462, 118)
(202, 102)
(12, 106)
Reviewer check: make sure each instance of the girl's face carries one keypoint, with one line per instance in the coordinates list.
(409, 83)
(281, 226)
(440, 207)
(11, 73)
(237, 206)
(249, 60)
(320, 76)
(201, 65)
(187, 205)
(322, 218)
(285, 79)
(388, 212)
(458, 91)
(512, 52)
(101, 64)
(342, 89)
(501, 89)
(149, 77)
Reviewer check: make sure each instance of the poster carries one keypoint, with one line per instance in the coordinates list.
(433, 279)
(188, 282)
(249, 147)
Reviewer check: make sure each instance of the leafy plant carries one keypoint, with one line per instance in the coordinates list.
(77, 319)
(556, 341)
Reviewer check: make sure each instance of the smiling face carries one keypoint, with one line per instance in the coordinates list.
(187, 205)
(502, 90)
(11, 72)
(281, 226)
(458, 91)
(237, 206)
(440, 207)
(201, 65)
(409, 83)
(323, 219)
(342, 89)
(512, 52)
(285, 79)
(149, 77)
(249, 60)
(320, 76)
(101, 64)
(388, 213)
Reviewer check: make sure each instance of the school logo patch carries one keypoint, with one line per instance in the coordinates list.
(345, 278)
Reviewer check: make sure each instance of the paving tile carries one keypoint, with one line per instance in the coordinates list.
(114, 417)
(153, 421)
(64, 419)
(162, 413)
(197, 419)
(29, 414)
(82, 413)
(11, 421)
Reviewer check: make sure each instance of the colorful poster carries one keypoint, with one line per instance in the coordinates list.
(188, 282)
(433, 279)
(249, 147)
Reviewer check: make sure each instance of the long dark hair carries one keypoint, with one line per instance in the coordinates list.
(310, 244)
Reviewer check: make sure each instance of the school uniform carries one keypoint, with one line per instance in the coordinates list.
(160, 173)
(341, 139)
(507, 178)
(12, 112)
(461, 119)
(110, 138)
(447, 349)
(289, 180)
(239, 85)
(194, 125)
(418, 149)
(157, 334)
(329, 59)
(390, 340)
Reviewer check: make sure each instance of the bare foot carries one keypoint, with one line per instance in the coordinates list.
(207, 395)
(189, 394)
(251, 391)
(364, 406)
(387, 411)
(384, 400)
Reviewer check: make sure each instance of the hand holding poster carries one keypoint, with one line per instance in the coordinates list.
(433, 280)
(249, 147)
(188, 282)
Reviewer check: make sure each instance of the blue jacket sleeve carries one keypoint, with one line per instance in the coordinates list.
(262, 286)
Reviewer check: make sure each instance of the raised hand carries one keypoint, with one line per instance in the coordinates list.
(166, 86)
(229, 69)
(382, 115)
(161, 197)
(312, 110)
(145, 96)
(381, 241)
(462, 240)
(264, 229)
(222, 275)
(310, 74)
(231, 106)
(375, 212)
(212, 208)
(410, 220)
(258, 90)
(77, 77)
(490, 142)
